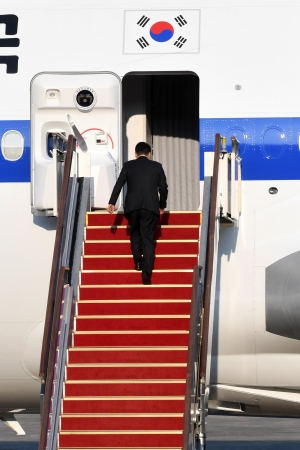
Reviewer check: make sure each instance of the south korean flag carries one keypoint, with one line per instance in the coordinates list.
(172, 31)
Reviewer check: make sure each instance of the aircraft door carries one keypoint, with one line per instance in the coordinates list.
(92, 102)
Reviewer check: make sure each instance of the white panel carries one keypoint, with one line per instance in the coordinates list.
(268, 230)
(208, 164)
(277, 218)
(26, 244)
(49, 114)
(234, 344)
(278, 90)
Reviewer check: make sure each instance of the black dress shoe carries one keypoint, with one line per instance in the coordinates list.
(146, 279)
(138, 266)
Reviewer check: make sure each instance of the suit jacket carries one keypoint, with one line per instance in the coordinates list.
(145, 179)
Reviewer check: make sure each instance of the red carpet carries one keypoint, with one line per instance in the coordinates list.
(126, 371)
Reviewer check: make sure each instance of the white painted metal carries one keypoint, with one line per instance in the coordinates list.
(84, 164)
(55, 175)
(223, 185)
(233, 211)
(50, 115)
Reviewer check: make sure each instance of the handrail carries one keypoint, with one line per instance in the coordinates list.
(57, 280)
(52, 355)
(55, 260)
(63, 291)
(209, 258)
(207, 321)
(191, 388)
(195, 408)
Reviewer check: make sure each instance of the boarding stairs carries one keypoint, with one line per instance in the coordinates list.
(126, 370)
(125, 365)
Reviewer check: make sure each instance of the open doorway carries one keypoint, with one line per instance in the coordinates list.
(163, 110)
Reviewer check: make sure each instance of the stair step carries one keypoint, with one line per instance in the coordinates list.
(118, 448)
(164, 232)
(123, 372)
(118, 440)
(120, 388)
(131, 292)
(125, 262)
(98, 218)
(122, 247)
(81, 405)
(139, 307)
(122, 422)
(114, 339)
(133, 277)
(124, 355)
(131, 323)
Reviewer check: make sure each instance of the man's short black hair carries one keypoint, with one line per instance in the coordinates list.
(142, 148)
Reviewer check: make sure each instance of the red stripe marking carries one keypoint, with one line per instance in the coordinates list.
(164, 262)
(130, 356)
(130, 340)
(85, 308)
(124, 233)
(111, 293)
(123, 248)
(131, 324)
(122, 406)
(173, 218)
(122, 423)
(125, 373)
(120, 440)
(124, 389)
(136, 278)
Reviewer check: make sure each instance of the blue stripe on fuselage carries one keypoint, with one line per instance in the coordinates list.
(269, 147)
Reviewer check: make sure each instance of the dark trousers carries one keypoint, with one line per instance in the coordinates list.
(143, 224)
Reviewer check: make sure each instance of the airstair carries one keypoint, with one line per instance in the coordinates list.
(124, 365)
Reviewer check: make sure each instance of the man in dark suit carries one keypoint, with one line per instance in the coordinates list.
(145, 179)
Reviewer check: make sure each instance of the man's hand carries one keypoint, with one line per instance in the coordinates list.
(161, 211)
(110, 208)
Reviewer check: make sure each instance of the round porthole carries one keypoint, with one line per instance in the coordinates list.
(12, 145)
(85, 99)
(273, 190)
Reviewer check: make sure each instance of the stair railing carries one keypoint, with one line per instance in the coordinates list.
(191, 390)
(202, 311)
(208, 300)
(63, 288)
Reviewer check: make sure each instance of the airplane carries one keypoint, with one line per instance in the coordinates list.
(232, 69)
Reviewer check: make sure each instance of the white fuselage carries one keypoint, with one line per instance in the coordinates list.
(235, 43)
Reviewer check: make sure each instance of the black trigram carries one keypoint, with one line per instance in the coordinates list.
(11, 28)
(180, 41)
(143, 20)
(142, 42)
(180, 20)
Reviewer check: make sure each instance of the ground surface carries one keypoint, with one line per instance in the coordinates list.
(224, 433)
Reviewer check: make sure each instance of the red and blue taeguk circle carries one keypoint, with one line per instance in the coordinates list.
(161, 31)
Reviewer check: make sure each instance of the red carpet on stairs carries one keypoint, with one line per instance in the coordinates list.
(126, 372)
